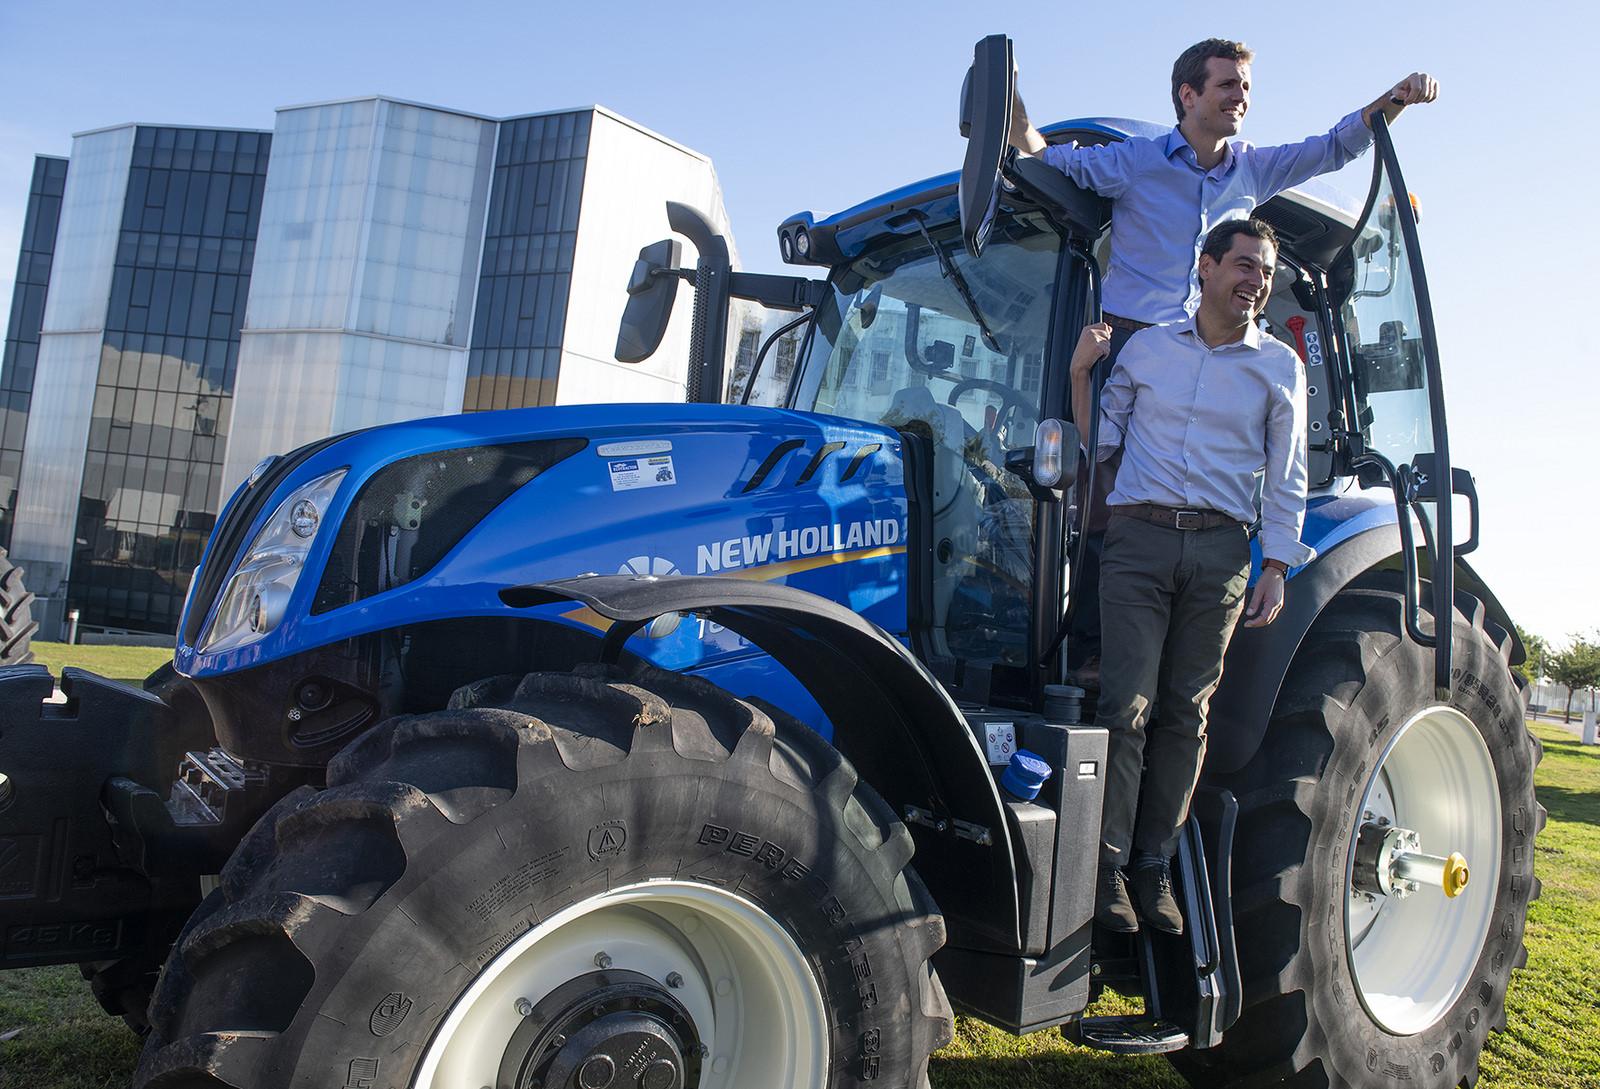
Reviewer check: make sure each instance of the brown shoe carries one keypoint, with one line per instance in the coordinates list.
(1112, 908)
(1151, 881)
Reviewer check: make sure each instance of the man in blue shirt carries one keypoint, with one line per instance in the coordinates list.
(1170, 192)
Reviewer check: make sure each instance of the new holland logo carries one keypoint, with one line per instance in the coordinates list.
(607, 839)
(389, 1013)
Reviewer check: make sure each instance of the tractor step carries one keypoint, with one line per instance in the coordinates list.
(1130, 1035)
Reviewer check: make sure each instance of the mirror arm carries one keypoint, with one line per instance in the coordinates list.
(780, 292)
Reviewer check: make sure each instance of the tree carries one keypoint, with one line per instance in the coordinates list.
(1577, 666)
(1538, 650)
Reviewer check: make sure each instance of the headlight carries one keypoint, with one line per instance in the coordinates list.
(258, 593)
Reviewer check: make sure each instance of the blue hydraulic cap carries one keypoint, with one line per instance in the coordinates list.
(1024, 775)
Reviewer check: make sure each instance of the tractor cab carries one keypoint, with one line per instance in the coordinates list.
(950, 312)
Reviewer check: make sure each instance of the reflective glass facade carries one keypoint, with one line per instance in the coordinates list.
(163, 396)
(22, 332)
(365, 273)
(216, 296)
(530, 237)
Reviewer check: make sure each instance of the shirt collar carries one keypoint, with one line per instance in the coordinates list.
(1177, 145)
(1251, 339)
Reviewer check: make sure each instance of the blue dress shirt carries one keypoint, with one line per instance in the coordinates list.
(1197, 424)
(1165, 204)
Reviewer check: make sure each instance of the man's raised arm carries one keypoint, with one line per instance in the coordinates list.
(1416, 88)
(1286, 165)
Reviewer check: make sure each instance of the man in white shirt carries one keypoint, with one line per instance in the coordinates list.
(1197, 408)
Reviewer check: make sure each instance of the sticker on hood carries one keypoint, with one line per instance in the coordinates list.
(633, 473)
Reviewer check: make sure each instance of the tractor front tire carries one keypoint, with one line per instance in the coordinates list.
(620, 878)
(1343, 988)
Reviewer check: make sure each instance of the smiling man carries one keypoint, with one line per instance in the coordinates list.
(1197, 408)
(1170, 191)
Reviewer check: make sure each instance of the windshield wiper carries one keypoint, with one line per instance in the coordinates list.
(947, 269)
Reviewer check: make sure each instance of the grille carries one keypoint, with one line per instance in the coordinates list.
(413, 511)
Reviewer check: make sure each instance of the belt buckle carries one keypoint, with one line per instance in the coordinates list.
(1178, 521)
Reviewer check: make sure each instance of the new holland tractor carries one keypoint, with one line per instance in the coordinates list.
(729, 745)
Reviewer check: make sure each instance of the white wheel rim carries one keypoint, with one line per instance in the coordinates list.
(754, 1000)
(1412, 957)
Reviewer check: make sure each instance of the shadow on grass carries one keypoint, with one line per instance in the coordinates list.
(1577, 806)
(1080, 1069)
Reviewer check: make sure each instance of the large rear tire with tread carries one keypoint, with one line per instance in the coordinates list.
(16, 615)
(619, 877)
(1346, 990)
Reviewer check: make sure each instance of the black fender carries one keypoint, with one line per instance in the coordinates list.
(891, 719)
(1258, 658)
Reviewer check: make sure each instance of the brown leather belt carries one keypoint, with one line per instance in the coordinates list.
(1176, 517)
(1126, 324)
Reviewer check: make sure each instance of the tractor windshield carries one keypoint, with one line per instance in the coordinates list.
(922, 338)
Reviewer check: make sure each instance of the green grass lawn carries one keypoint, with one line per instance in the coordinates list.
(1552, 1039)
(131, 664)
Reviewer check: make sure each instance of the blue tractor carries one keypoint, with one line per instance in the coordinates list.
(675, 746)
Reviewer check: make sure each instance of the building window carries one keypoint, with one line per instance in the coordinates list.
(529, 239)
(22, 332)
(164, 395)
(880, 368)
(744, 361)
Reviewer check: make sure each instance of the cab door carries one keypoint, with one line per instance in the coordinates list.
(1398, 437)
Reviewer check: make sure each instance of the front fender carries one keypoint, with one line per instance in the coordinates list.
(890, 718)
(1258, 658)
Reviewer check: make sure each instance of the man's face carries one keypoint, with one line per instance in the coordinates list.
(1219, 109)
(1238, 285)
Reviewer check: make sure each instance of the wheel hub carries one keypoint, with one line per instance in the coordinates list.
(604, 1030)
(1390, 862)
(711, 987)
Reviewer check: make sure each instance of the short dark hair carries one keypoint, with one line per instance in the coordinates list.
(1190, 67)
(1220, 238)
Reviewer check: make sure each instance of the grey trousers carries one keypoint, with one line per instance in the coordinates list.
(1169, 600)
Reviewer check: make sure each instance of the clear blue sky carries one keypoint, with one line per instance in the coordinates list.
(821, 105)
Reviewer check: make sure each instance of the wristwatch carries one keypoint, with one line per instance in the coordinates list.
(1277, 565)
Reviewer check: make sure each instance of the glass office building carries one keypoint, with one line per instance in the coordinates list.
(27, 319)
(191, 300)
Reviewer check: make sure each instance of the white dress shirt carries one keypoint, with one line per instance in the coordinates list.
(1197, 424)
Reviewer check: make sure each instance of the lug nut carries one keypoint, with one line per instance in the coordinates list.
(602, 959)
(524, 1007)
(674, 980)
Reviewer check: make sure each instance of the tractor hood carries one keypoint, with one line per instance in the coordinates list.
(431, 519)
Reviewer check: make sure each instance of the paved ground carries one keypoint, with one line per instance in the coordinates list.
(1575, 727)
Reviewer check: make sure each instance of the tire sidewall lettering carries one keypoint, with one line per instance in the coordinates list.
(1419, 1059)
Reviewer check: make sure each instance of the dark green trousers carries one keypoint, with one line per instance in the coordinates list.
(1169, 600)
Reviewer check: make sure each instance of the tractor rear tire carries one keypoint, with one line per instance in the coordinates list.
(1341, 990)
(16, 615)
(619, 877)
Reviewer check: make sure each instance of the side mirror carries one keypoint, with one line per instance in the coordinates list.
(652, 288)
(939, 356)
(987, 99)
